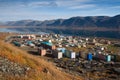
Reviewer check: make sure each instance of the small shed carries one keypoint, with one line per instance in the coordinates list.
(70, 54)
(108, 58)
(57, 54)
(89, 56)
(41, 51)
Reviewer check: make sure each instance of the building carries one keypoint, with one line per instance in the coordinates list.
(100, 56)
(104, 57)
(70, 54)
(31, 36)
(41, 51)
(108, 58)
(57, 54)
(89, 56)
(48, 45)
(61, 49)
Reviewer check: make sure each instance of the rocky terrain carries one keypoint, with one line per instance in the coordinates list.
(101, 70)
(11, 68)
(16, 64)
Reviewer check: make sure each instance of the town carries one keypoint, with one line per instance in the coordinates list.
(73, 54)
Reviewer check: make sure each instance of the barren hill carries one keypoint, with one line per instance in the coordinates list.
(19, 65)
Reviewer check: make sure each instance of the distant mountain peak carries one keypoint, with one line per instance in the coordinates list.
(78, 21)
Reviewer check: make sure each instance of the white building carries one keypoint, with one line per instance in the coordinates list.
(57, 54)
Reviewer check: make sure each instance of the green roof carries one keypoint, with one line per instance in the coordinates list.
(47, 43)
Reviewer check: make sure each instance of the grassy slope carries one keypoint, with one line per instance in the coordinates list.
(16, 55)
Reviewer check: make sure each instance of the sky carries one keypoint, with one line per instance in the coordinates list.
(12, 10)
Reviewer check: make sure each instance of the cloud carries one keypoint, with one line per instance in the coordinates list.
(115, 7)
(69, 3)
(42, 4)
(83, 6)
(75, 4)
(48, 9)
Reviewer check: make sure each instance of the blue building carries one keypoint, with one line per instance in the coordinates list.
(89, 56)
(108, 58)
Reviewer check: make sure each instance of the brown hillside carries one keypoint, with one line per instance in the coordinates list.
(40, 69)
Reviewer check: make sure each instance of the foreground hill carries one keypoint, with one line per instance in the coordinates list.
(19, 65)
(89, 21)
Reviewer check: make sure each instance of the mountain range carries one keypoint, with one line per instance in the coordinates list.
(89, 21)
(97, 26)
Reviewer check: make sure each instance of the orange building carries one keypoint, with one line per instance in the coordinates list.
(42, 52)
